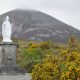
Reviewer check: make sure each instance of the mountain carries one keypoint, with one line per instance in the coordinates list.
(35, 25)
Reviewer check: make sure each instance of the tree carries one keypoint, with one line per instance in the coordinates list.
(73, 43)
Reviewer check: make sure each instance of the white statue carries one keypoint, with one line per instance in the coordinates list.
(6, 30)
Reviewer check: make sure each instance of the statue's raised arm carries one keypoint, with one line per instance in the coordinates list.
(6, 30)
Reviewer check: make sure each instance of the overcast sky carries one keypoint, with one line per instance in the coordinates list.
(67, 11)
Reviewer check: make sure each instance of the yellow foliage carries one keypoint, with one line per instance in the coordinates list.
(34, 45)
(67, 67)
(46, 70)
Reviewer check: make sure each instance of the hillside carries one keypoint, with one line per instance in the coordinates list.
(35, 25)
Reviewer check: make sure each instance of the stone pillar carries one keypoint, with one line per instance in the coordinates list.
(8, 59)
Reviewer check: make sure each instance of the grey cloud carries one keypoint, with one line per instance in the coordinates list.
(65, 5)
(66, 10)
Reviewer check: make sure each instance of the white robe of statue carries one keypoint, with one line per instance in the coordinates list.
(6, 30)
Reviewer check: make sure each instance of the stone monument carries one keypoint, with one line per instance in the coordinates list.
(8, 51)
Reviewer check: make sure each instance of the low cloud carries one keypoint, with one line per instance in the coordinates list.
(67, 11)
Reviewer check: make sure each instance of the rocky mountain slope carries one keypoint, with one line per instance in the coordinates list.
(35, 25)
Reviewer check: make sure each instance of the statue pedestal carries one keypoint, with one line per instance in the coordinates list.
(8, 59)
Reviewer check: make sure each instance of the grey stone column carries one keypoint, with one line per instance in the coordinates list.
(8, 59)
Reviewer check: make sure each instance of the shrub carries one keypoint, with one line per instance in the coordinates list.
(46, 70)
(66, 67)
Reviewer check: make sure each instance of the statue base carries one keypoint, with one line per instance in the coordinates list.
(8, 59)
